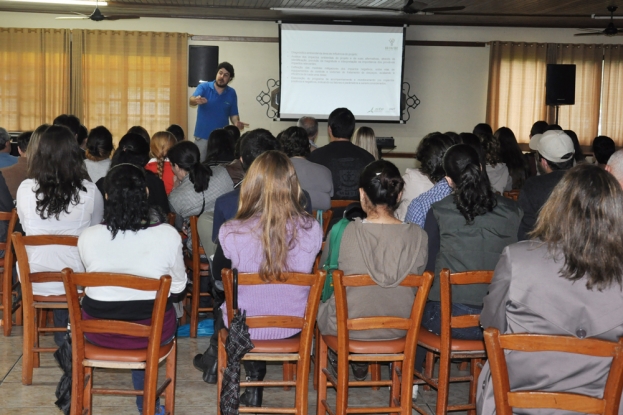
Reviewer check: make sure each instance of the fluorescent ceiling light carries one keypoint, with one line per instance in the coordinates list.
(67, 2)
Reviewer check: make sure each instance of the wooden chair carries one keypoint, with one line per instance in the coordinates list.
(505, 400)
(198, 270)
(399, 351)
(447, 348)
(327, 215)
(512, 194)
(340, 203)
(86, 356)
(34, 305)
(296, 349)
(7, 287)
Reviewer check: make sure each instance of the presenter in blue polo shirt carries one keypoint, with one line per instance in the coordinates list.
(218, 104)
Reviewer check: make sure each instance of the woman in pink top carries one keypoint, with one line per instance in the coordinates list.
(271, 234)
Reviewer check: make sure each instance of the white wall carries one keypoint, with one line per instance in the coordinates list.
(451, 82)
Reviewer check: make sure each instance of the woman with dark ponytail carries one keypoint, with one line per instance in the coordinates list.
(199, 186)
(466, 231)
(383, 247)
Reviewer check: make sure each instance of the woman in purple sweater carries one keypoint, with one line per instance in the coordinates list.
(271, 234)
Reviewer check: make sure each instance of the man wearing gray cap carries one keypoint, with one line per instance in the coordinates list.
(6, 159)
(554, 157)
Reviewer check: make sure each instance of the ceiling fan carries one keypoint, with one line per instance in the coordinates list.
(415, 7)
(98, 16)
(610, 30)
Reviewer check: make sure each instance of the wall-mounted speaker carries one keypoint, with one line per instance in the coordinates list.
(202, 64)
(560, 85)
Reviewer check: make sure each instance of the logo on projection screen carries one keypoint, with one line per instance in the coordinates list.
(391, 45)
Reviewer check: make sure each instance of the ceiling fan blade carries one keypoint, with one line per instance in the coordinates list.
(72, 18)
(121, 17)
(442, 9)
(590, 34)
(378, 8)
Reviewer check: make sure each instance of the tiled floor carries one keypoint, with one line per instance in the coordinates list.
(193, 396)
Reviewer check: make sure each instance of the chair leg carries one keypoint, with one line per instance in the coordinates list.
(29, 340)
(169, 392)
(38, 324)
(88, 396)
(375, 374)
(194, 304)
(289, 370)
(394, 393)
(7, 304)
(463, 366)
(474, 370)
(429, 365)
(443, 384)
(222, 359)
(316, 353)
(321, 362)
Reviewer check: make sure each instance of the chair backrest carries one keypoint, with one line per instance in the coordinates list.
(448, 321)
(512, 194)
(79, 326)
(12, 218)
(338, 203)
(197, 247)
(20, 242)
(410, 325)
(305, 323)
(505, 400)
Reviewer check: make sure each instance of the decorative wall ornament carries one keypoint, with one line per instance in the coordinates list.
(410, 101)
(270, 98)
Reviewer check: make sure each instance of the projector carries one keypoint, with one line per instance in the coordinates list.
(385, 142)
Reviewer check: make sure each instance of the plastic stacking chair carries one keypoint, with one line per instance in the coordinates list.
(35, 305)
(86, 356)
(505, 400)
(448, 349)
(294, 350)
(400, 352)
(6, 286)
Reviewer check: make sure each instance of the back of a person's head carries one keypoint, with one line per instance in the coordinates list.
(132, 149)
(615, 165)
(254, 143)
(177, 131)
(160, 144)
(578, 220)
(510, 153)
(137, 129)
(382, 183)
(234, 138)
(472, 193)
(22, 141)
(33, 143)
(99, 143)
(5, 138)
(578, 156)
(456, 139)
(310, 125)
(482, 128)
(271, 192)
(219, 143)
(491, 147)
(473, 141)
(538, 127)
(342, 123)
(365, 138)
(553, 127)
(70, 121)
(58, 168)
(126, 204)
(83, 134)
(430, 154)
(295, 142)
(186, 156)
(603, 148)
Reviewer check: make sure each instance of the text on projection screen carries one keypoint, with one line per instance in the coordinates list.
(324, 67)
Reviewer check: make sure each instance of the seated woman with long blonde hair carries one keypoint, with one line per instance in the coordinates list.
(272, 234)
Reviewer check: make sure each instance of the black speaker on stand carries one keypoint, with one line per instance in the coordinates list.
(560, 86)
(202, 64)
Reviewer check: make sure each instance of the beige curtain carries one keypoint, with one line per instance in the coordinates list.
(583, 117)
(34, 76)
(612, 98)
(131, 78)
(516, 94)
